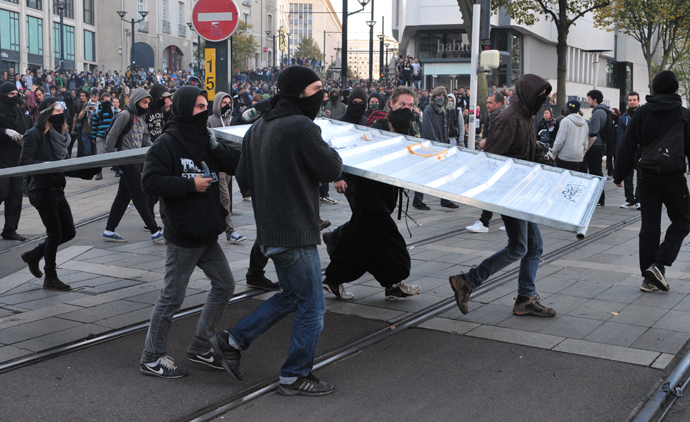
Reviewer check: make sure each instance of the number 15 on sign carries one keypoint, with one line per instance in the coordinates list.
(210, 54)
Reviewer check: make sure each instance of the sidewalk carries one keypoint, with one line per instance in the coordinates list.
(595, 290)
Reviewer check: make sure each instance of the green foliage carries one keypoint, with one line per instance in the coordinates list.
(308, 48)
(682, 70)
(244, 47)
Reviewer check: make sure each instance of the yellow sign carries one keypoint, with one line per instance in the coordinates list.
(282, 39)
(210, 54)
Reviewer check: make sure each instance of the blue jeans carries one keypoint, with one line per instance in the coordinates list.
(524, 244)
(299, 274)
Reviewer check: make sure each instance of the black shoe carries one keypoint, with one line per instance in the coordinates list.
(324, 224)
(209, 359)
(14, 236)
(532, 306)
(648, 285)
(99, 176)
(52, 282)
(657, 274)
(330, 243)
(421, 206)
(32, 262)
(306, 386)
(164, 367)
(261, 282)
(451, 205)
(230, 356)
(462, 291)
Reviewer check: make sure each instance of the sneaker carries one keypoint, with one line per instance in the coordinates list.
(323, 224)
(99, 176)
(462, 291)
(337, 290)
(209, 359)
(421, 206)
(628, 205)
(14, 236)
(609, 178)
(328, 200)
(164, 367)
(33, 264)
(261, 282)
(247, 198)
(451, 205)
(502, 228)
(52, 282)
(477, 227)
(231, 356)
(236, 237)
(157, 237)
(657, 276)
(638, 206)
(648, 285)
(601, 205)
(306, 386)
(328, 241)
(113, 238)
(533, 307)
(401, 290)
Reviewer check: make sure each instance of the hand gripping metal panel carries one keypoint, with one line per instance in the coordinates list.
(546, 195)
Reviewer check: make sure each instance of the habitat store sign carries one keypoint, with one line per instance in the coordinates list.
(443, 45)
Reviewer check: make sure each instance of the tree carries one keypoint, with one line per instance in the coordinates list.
(308, 48)
(662, 27)
(244, 46)
(482, 88)
(682, 70)
(564, 14)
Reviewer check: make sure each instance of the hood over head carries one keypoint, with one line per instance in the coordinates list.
(136, 96)
(184, 101)
(380, 97)
(360, 93)
(216, 102)
(291, 84)
(527, 96)
(156, 91)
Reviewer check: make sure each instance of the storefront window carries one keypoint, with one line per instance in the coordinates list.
(9, 30)
(89, 46)
(34, 35)
(443, 45)
(68, 40)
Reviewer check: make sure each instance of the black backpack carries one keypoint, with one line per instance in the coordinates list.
(124, 131)
(608, 132)
(667, 154)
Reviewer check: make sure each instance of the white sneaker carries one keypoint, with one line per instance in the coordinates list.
(236, 237)
(628, 205)
(328, 200)
(477, 227)
(503, 228)
(401, 290)
(637, 206)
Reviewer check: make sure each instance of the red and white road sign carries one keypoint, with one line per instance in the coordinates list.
(215, 20)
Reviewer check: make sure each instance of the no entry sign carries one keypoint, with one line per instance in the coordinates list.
(215, 20)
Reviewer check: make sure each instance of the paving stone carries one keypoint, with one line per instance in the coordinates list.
(571, 327)
(607, 351)
(644, 316)
(38, 314)
(409, 304)
(597, 309)
(106, 310)
(662, 361)
(151, 297)
(658, 299)
(69, 335)
(563, 304)
(109, 270)
(674, 321)
(109, 287)
(33, 329)
(369, 312)
(527, 323)
(50, 300)
(623, 294)
(615, 333)
(607, 277)
(586, 289)
(128, 319)
(360, 291)
(8, 353)
(508, 335)
(445, 325)
(13, 280)
(488, 314)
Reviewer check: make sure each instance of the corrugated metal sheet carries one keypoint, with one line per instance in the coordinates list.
(546, 195)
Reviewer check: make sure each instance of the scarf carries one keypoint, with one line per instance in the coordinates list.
(59, 143)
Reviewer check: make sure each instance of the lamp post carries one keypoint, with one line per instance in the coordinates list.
(387, 44)
(343, 60)
(371, 24)
(122, 14)
(61, 4)
(268, 34)
(288, 48)
(337, 54)
(198, 49)
(381, 38)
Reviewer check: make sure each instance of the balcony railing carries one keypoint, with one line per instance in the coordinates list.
(247, 2)
(144, 26)
(182, 30)
(166, 27)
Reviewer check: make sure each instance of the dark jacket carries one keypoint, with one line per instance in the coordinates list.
(37, 149)
(513, 132)
(490, 119)
(649, 123)
(435, 124)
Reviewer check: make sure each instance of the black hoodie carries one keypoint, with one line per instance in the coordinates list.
(155, 117)
(191, 218)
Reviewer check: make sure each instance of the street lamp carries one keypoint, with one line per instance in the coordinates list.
(61, 4)
(344, 67)
(198, 49)
(268, 34)
(122, 14)
(371, 24)
(381, 38)
(387, 44)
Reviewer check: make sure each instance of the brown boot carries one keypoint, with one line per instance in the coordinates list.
(32, 261)
(52, 282)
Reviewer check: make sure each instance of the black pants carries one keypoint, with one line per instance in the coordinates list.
(486, 217)
(56, 216)
(11, 194)
(571, 165)
(632, 195)
(593, 160)
(257, 261)
(656, 190)
(130, 189)
(419, 200)
(610, 157)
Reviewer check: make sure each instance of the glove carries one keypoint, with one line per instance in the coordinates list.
(14, 135)
(212, 140)
(250, 115)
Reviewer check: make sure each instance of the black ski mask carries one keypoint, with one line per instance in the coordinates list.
(401, 120)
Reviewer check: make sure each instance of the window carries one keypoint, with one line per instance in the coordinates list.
(89, 46)
(34, 4)
(88, 12)
(68, 35)
(9, 30)
(269, 19)
(180, 13)
(13, 1)
(34, 35)
(164, 10)
(245, 18)
(68, 11)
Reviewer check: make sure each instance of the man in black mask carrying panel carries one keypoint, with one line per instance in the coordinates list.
(182, 169)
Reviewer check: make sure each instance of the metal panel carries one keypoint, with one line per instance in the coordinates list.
(546, 195)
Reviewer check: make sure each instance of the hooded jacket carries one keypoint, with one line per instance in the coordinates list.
(10, 118)
(337, 108)
(155, 117)
(435, 123)
(513, 132)
(650, 122)
(381, 104)
(349, 117)
(138, 136)
(572, 139)
(597, 122)
(191, 218)
(216, 119)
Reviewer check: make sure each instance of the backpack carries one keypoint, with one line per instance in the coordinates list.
(608, 133)
(124, 131)
(667, 154)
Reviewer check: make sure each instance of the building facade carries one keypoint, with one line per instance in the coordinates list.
(358, 57)
(433, 31)
(265, 18)
(315, 19)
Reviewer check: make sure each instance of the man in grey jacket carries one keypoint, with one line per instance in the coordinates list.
(334, 107)
(597, 143)
(129, 131)
(572, 140)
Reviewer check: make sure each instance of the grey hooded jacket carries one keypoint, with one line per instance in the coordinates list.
(597, 123)
(138, 136)
(216, 120)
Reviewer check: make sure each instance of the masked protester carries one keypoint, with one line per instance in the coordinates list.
(513, 134)
(286, 141)
(182, 169)
(47, 141)
(155, 115)
(335, 106)
(12, 127)
(129, 132)
(356, 107)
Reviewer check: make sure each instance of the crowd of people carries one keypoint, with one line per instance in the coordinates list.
(190, 173)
